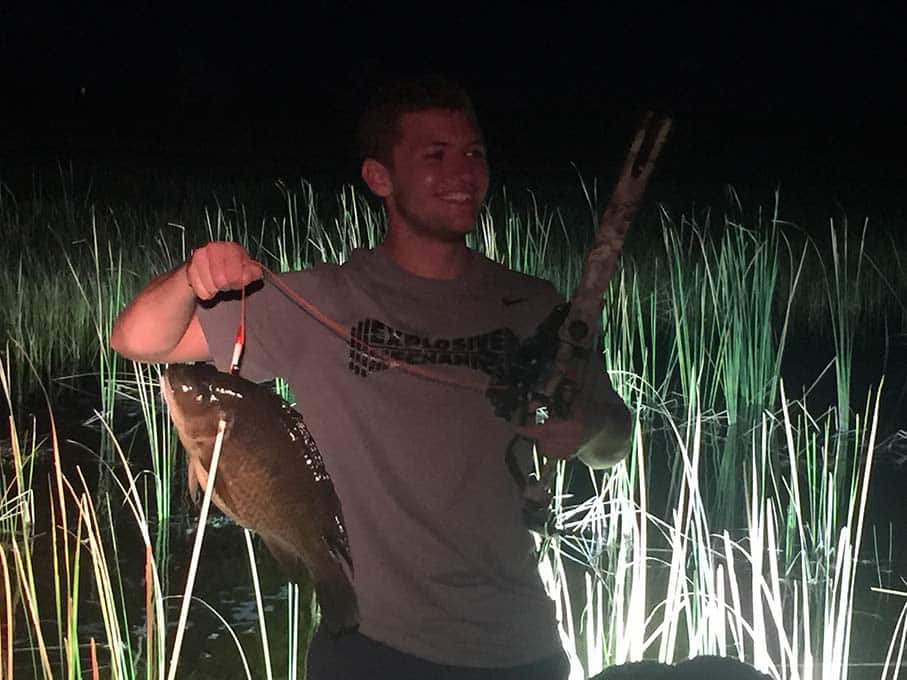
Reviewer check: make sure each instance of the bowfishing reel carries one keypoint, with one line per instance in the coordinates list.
(530, 387)
(522, 379)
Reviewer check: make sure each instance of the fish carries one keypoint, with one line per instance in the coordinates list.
(271, 479)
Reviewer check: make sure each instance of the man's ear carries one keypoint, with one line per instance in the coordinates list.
(377, 177)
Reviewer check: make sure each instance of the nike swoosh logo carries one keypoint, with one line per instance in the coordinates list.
(507, 301)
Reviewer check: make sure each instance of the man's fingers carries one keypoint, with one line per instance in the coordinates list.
(221, 266)
(199, 273)
(251, 272)
(557, 438)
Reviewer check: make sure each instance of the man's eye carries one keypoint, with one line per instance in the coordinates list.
(476, 153)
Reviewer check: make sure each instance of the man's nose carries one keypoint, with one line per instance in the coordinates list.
(469, 168)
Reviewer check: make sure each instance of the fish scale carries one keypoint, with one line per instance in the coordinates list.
(271, 478)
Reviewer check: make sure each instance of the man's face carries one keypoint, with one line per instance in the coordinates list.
(439, 175)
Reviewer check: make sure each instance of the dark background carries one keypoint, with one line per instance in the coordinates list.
(811, 99)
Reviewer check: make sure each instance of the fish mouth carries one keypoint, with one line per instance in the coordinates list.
(165, 385)
(167, 392)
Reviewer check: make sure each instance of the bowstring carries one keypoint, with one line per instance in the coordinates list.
(363, 347)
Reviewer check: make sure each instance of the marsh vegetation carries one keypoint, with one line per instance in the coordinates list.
(764, 360)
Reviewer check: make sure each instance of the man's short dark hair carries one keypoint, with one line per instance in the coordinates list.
(379, 125)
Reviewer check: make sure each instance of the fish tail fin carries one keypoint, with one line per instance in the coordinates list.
(337, 600)
(333, 587)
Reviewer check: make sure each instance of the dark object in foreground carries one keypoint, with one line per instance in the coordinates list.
(697, 668)
(270, 478)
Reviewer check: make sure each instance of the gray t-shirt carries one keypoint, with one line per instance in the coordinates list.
(445, 568)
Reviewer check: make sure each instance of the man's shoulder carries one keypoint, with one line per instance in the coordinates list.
(316, 271)
(502, 277)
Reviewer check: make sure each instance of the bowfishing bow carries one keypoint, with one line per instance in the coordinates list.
(549, 367)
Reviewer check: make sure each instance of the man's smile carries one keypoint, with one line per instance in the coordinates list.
(458, 197)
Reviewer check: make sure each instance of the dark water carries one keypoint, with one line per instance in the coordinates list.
(223, 581)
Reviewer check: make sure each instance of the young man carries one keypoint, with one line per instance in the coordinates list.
(445, 571)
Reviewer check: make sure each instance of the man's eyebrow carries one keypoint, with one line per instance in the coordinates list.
(478, 141)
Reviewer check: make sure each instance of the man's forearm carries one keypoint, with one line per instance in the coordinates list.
(152, 325)
(610, 426)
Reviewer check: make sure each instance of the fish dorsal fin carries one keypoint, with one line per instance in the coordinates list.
(339, 548)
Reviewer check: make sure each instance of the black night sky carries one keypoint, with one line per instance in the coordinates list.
(812, 99)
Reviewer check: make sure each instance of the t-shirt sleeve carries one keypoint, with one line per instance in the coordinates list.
(270, 338)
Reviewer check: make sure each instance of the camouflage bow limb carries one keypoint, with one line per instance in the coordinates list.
(576, 337)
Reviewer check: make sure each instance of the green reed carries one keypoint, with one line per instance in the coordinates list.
(665, 587)
(49, 233)
(162, 443)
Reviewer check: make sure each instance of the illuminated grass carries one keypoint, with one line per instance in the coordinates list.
(670, 587)
(111, 251)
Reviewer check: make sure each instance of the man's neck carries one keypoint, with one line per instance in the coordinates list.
(428, 258)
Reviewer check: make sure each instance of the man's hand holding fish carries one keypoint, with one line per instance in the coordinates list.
(220, 266)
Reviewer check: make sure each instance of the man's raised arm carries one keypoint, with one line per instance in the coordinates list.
(160, 323)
